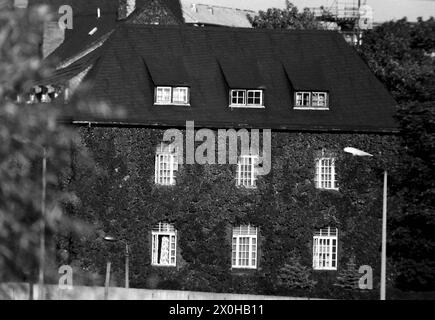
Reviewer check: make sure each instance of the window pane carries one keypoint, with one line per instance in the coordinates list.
(180, 95)
(325, 249)
(319, 99)
(325, 173)
(306, 101)
(164, 245)
(303, 99)
(238, 97)
(254, 97)
(166, 164)
(246, 175)
(244, 247)
(163, 95)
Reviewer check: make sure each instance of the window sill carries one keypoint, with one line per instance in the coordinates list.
(171, 104)
(159, 185)
(311, 108)
(325, 269)
(328, 189)
(245, 106)
(246, 188)
(164, 265)
(235, 269)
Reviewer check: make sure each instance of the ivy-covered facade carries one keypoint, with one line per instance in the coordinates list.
(303, 229)
(118, 195)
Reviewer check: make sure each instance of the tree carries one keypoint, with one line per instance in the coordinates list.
(288, 18)
(294, 275)
(402, 56)
(27, 132)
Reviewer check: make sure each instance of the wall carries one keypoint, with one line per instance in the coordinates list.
(118, 197)
(21, 291)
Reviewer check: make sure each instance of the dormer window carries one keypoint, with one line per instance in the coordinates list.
(241, 98)
(40, 94)
(172, 95)
(311, 100)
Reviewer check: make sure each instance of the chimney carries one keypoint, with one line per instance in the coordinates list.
(125, 8)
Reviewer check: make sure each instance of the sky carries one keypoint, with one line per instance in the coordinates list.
(384, 10)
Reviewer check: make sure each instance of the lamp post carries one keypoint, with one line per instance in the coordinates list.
(43, 208)
(127, 256)
(42, 232)
(360, 153)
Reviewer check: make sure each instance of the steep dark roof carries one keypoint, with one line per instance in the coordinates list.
(61, 76)
(78, 39)
(281, 59)
(85, 19)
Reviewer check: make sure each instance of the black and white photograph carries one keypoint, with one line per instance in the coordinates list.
(217, 150)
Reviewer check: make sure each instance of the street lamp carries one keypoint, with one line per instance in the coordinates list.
(126, 254)
(43, 208)
(360, 153)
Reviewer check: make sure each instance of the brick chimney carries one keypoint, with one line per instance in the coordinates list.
(125, 8)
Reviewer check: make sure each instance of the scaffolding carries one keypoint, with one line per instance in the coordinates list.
(339, 10)
(347, 16)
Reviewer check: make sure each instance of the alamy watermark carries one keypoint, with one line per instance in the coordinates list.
(205, 153)
(66, 19)
(366, 281)
(66, 278)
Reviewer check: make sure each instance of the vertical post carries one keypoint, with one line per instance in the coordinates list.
(384, 238)
(42, 231)
(358, 30)
(127, 254)
(106, 284)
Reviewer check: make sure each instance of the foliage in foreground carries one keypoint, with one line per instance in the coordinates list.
(27, 132)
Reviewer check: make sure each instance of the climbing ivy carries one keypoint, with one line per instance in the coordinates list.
(118, 197)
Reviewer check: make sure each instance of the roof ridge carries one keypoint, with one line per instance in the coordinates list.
(223, 7)
(127, 24)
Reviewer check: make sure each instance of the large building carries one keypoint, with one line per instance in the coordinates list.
(299, 228)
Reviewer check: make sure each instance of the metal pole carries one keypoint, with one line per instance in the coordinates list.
(384, 239)
(42, 231)
(127, 254)
(106, 284)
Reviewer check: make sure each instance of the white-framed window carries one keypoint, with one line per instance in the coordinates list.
(238, 97)
(244, 247)
(163, 95)
(180, 95)
(319, 99)
(311, 100)
(172, 95)
(326, 177)
(325, 242)
(303, 99)
(246, 171)
(255, 98)
(166, 165)
(164, 245)
(246, 98)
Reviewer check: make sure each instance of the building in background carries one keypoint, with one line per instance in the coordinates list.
(198, 14)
